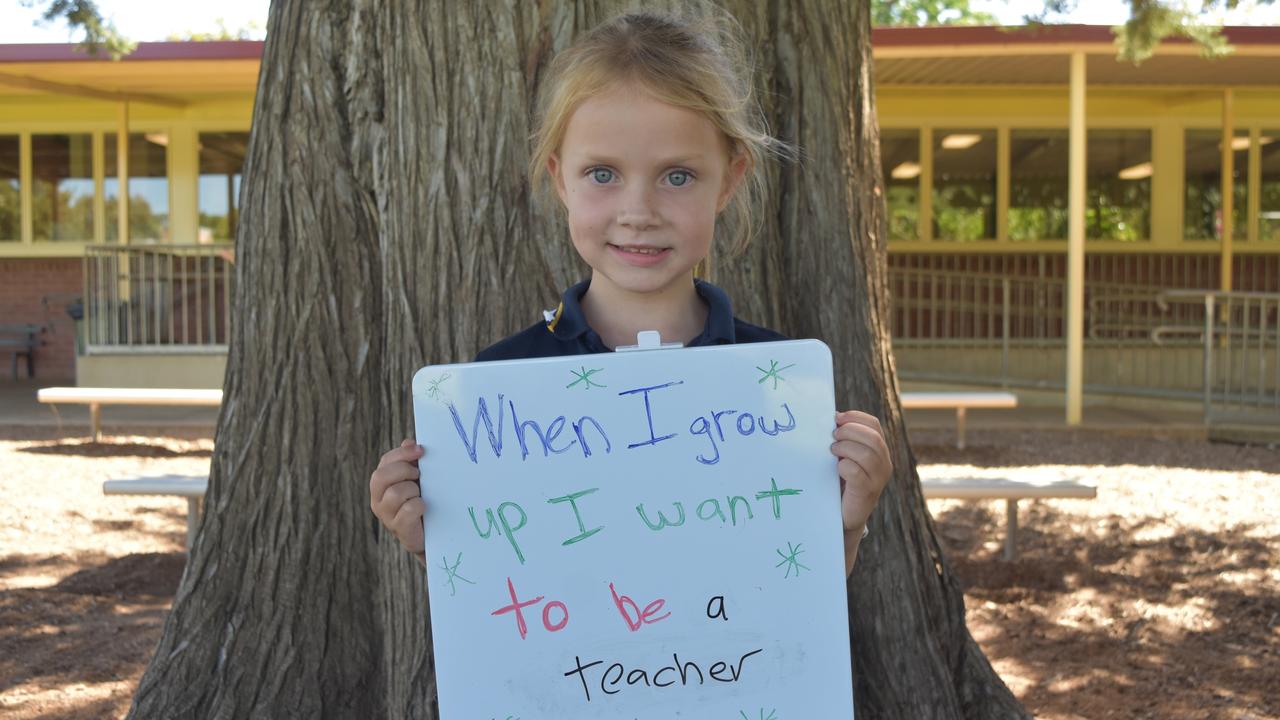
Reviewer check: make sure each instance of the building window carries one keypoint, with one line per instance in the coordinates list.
(10, 189)
(1202, 206)
(221, 160)
(148, 187)
(1269, 205)
(900, 166)
(62, 187)
(964, 184)
(1118, 198)
(1038, 185)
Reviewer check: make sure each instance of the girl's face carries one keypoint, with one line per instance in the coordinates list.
(642, 182)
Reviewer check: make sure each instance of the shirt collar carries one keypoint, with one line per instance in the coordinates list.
(569, 322)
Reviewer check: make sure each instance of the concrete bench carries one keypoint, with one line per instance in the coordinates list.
(961, 401)
(1011, 491)
(95, 398)
(192, 487)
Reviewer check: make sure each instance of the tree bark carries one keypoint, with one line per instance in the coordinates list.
(386, 225)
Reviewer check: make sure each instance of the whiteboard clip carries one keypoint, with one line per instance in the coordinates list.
(649, 340)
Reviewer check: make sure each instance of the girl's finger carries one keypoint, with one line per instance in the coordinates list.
(864, 460)
(386, 477)
(407, 452)
(858, 432)
(407, 524)
(857, 416)
(396, 496)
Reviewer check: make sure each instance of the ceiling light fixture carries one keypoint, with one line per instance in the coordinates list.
(961, 141)
(905, 171)
(1136, 172)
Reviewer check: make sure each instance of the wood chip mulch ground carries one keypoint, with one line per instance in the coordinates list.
(1159, 599)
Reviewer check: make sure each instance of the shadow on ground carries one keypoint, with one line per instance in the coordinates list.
(85, 448)
(1190, 614)
(130, 576)
(76, 631)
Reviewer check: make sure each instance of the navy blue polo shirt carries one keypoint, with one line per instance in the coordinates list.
(566, 332)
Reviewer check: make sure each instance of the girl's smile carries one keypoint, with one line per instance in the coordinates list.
(640, 255)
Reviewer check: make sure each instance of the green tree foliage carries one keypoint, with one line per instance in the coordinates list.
(222, 32)
(1151, 21)
(10, 209)
(84, 16)
(917, 13)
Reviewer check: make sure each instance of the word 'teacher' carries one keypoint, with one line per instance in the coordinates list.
(641, 535)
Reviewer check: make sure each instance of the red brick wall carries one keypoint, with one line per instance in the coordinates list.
(24, 283)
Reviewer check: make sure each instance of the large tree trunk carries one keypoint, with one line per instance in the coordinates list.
(387, 225)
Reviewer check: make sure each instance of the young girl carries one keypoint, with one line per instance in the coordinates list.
(648, 135)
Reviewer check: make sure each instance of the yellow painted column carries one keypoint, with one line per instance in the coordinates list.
(1254, 205)
(184, 172)
(99, 200)
(122, 175)
(1002, 184)
(1167, 152)
(925, 231)
(1075, 243)
(26, 196)
(1228, 194)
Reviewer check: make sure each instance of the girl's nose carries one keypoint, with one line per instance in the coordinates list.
(637, 210)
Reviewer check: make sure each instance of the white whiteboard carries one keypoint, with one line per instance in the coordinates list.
(572, 494)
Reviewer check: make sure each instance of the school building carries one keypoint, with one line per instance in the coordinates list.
(1058, 218)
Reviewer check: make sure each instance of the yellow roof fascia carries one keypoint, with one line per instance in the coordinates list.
(157, 78)
(59, 88)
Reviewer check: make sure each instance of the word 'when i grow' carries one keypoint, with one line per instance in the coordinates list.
(587, 434)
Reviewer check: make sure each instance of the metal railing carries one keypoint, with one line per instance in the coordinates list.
(158, 298)
(986, 328)
(1240, 338)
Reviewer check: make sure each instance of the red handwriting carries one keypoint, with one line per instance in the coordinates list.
(631, 613)
(555, 614)
(546, 616)
(518, 608)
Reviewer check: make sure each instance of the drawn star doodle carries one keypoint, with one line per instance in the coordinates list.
(771, 716)
(791, 559)
(774, 373)
(584, 376)
(433, 387)
(453, 574)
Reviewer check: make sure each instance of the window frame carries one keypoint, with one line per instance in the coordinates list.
(1168, 152)
(1003, 129)
(27, 244)
(197, 129)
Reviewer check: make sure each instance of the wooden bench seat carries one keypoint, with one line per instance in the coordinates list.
(95, 398)
(1011, 491)
(192, 487)
(960, 401)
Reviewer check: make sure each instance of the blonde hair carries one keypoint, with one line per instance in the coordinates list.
(694, 64)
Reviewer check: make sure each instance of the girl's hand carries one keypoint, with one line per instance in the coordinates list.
(396, 498)
(864, 468)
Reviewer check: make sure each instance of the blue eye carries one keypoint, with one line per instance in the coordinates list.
(601, 175)
(679, 178)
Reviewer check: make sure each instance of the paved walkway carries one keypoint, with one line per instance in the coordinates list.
(18, 406)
